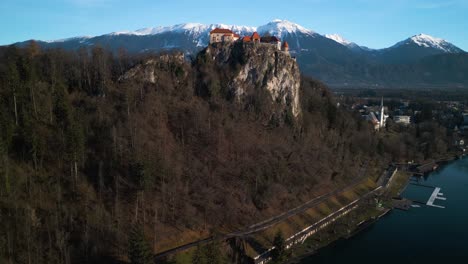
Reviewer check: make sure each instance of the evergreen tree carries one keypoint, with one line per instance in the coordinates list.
(214, 254)
(208, 254)
(278, 254)
(139, 250)
(199, 256)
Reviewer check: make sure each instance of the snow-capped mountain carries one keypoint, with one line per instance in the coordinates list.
(195, 29)
(189, 37)
(350, 45)
(277, 28)
(281, 28)
(193, 36)
(416, 48)
(339, 39)
(182, 36)
(199, 32)
(80, 38)
(426, 41)
(330, 58)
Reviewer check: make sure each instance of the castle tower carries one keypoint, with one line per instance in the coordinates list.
(255, 38)
(285, 47)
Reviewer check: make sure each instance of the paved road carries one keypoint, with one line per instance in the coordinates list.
(271, 221)
(312, 203)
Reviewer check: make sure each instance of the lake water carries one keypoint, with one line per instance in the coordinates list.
(420, 235)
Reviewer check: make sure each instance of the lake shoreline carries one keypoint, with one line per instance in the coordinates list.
(306, 251)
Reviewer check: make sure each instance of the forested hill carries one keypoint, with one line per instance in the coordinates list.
(97, 148)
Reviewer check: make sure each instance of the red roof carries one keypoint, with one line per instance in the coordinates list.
(221, 30)
(255, 36)
(285, 44)
(236, 35)
(246, 39)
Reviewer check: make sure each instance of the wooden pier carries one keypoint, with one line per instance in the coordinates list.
(436, 195)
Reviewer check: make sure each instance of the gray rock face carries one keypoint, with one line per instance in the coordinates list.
(249, 68)
(149, 70)
(262, 66)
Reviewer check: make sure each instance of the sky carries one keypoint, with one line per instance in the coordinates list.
(372, 23)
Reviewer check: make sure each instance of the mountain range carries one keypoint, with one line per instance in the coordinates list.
(329, 57)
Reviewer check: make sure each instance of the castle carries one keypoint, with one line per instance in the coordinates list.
(221, 35)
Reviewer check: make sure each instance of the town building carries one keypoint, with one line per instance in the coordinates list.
(372, 118)
(255, 38)
(378, 119)
(222, 35)
(271, 40)
(402, 119)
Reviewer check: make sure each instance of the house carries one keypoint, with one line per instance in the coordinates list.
(222, 35)
(374, 120)
(255, 37)
(401, 119)
(271, 40)
(246, 39)
(228, 37)
(459, 142)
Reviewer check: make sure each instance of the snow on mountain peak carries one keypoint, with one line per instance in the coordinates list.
(280, 28)
(80, 38)
(277, 27)
(338, 39)
(191, 27)
(428, 41)
(195, 29)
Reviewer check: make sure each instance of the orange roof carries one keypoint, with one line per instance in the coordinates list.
(285, 44)
(255, 35)
(246, 39)
(221, 30)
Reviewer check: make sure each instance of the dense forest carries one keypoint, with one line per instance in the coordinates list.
(95, 167)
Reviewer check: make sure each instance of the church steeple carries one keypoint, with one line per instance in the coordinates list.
(381, 114)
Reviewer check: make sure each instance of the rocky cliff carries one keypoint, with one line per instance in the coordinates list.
(151, 69)
(260, 66)
(250, 74)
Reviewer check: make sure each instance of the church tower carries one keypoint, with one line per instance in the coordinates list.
(382, 114)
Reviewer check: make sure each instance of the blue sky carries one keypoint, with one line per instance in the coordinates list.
(373, 23)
